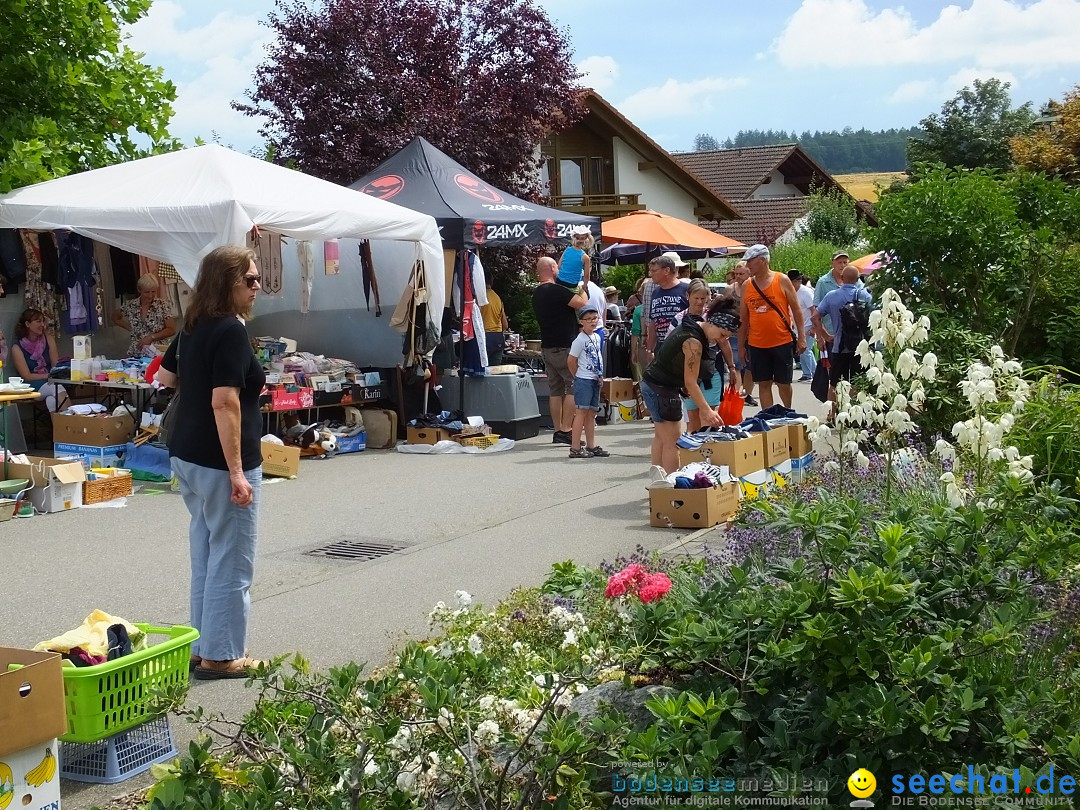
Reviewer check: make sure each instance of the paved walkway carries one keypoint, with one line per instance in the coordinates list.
(483, 524)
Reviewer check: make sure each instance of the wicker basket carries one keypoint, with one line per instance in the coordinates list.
(482, 442)
(7, 508)
(103, 489)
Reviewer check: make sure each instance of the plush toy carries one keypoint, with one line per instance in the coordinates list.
(328, 442)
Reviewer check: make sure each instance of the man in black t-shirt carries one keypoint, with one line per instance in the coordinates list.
(556, 313)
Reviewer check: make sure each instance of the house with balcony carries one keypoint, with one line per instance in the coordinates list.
(605, 166)
(770, 185)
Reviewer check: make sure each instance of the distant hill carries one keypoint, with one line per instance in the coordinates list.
(847, 151)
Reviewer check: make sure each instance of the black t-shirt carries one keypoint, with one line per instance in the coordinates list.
(557, 319)
(216, 354)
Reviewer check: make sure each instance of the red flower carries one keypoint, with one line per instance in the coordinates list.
(655, 586)
(636, 580)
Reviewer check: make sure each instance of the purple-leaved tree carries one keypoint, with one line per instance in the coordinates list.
(348, 82)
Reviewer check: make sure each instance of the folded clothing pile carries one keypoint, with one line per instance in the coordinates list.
(692, 441)
(695, 475)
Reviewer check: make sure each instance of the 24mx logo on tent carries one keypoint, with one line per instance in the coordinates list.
(517, 231)
(384, 187)
(477, 188)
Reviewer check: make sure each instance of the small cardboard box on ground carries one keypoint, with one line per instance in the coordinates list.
(352, 444)
(617, 389)
(756, 484)
(780, 476)
(693, 508)
(425, 435)
(741, 457)
(57, 483)
(32, 716)
(775, 442)
(623, 411)
(88, 455)
(280, 460)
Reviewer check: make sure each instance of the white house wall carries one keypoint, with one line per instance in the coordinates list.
(776, 187)
(338, 323)
(657, 191)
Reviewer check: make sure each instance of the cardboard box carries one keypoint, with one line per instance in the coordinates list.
(757, 484)
(88, 455)
(799, 443)
(801, 467)
(617, 389)
(31, 700)
(94, 431)
(81, 370)
(81, 347)
(780, 476)
(623, 411)
(57, 483)
(352, 444)
(281, 400)
(280, 460)
(425, 435)
(27, 796)
(692, 508)
(741, 457)
(775, 442)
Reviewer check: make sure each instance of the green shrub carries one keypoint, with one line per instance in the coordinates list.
(625, 277)
(830, 217)
(1048, 428)
(808, 255)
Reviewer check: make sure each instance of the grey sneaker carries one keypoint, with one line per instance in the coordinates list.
(580, 452)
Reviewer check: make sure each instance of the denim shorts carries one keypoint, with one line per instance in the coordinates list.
(664, 404)
(587, 394)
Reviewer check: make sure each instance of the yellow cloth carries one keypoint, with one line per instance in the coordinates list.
(92, 636)
(492, 312)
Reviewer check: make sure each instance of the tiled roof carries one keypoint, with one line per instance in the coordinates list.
(762, 219)
(704, 192)
(735, 173)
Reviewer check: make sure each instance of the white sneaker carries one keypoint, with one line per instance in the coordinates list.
(658, 478)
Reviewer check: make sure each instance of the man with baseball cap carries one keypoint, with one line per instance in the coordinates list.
(767, 337)
(825, 285)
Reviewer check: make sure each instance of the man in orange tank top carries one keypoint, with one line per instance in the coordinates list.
(770, 335)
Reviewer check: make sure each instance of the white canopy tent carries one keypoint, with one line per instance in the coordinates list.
(179, 206)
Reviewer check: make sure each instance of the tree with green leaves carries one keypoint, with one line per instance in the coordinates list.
(704, 142)
(73, 96)
(1054, 147)
(973, 129)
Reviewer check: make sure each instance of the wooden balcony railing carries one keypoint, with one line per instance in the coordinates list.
(606, 206)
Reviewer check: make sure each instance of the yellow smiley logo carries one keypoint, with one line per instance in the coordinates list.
(861, 783)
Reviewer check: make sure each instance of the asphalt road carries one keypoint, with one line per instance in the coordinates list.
(485, 524)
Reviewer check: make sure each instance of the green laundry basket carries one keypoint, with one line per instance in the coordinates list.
(108, 698)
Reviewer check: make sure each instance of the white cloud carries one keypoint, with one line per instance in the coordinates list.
(211, 65)
(598, 72)
(1007, 33)
(929, 89)
(914, 91)
(676, 97)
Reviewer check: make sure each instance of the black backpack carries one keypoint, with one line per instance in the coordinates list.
(854, 324)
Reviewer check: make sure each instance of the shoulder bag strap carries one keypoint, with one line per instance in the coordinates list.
(768, 301)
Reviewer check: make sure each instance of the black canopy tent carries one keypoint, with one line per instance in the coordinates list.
(470, 213)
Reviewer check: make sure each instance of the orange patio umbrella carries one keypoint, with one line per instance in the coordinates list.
(871, 262)
(654, 228)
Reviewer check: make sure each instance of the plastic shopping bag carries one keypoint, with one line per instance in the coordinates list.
(731, 406)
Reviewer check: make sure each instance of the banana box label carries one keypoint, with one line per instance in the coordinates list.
(756, 484)
(624, 411)
(30, 779)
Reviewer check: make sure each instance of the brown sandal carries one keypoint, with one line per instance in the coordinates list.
(236, 668)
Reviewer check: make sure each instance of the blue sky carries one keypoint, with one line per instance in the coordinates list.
(679, 67)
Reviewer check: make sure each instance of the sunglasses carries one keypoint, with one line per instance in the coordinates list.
(251, 281)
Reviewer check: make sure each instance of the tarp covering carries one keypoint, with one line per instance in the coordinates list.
(470, 212)
(178, 206)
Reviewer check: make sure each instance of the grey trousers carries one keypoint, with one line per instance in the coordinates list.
(222, 538)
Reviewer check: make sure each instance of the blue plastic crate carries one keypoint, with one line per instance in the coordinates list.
(119, 757)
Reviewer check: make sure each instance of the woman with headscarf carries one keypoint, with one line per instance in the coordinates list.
(216, 454)
(147, 317)
(698, 296)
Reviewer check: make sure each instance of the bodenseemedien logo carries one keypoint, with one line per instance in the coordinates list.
(861, 784)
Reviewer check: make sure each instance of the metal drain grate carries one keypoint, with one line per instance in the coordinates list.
(352, 550)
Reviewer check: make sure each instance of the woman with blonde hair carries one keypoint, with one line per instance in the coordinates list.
(575, 266)
(147, 317)
(216, 455)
